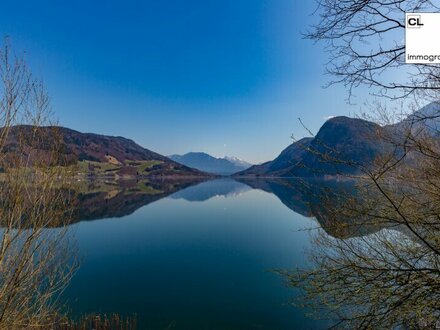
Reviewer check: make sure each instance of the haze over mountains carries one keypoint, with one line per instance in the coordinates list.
(207, 163)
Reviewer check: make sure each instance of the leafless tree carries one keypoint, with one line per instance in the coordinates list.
(391, 277)
(365, 42)
(35, 263)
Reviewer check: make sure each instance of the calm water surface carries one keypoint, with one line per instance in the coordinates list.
(200, 258)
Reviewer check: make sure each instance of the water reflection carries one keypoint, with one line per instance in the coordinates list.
(190, 256)
(101, 200)
(318, 198)
(309, 198)
(209, 189)
(201, 254)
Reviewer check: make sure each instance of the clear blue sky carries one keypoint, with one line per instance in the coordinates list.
(228, 77)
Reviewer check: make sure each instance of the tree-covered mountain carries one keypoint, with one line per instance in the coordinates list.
(340, 138)
(95, 155)
(207, 163)
(345, 145)
(284, 165)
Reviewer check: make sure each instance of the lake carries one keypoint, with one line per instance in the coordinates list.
(192, 255)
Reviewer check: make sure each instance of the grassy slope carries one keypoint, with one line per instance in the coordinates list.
(100, 169)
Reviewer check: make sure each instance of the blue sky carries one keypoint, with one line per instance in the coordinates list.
(228, 77)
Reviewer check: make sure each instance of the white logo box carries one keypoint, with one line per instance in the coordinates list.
(422, 38)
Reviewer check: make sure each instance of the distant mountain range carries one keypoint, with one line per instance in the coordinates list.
(96, 155)
(207, 163)
(342, 146)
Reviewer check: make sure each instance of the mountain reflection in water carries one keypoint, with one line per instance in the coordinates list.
(101, 201)
(197, 255)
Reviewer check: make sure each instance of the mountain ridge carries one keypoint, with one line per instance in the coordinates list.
(207, 163)
(343, 145)
(96, 154)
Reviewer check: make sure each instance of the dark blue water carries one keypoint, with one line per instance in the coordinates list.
(201, 258)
